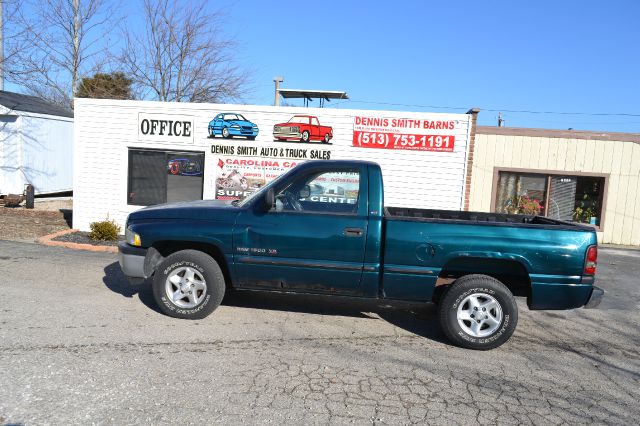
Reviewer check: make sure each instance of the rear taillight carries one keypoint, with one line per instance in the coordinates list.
(591, 260)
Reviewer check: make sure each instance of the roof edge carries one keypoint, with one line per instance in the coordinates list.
(563, 134)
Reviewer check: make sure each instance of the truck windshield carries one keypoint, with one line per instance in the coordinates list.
(299, 119)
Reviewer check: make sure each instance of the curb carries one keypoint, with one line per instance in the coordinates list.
(47, 240)
(618, 247)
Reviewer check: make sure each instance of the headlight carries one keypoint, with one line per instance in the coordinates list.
(295, 129)
(235, 126)
(132, 238)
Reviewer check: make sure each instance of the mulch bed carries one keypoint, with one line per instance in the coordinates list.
(19, 224)
(83, 238)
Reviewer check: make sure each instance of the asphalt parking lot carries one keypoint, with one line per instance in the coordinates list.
(79, 345)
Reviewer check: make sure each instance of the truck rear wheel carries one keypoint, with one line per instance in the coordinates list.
(478, 312)
(188, 284)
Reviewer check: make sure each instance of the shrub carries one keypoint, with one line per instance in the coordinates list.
(107, 230)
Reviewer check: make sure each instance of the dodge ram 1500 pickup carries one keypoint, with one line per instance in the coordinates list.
(303, 128)
(323, 228)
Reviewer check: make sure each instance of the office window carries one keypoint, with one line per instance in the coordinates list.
(157, 177)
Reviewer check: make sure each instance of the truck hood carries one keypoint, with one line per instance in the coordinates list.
(218, 210)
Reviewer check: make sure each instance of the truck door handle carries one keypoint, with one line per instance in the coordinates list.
(352, 232)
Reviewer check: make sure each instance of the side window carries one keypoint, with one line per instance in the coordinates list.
(314, 121)
(332, 191)
(157, 177)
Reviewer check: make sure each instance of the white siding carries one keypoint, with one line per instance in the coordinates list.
(11, 177)
(48, 153)
(106, 129)
(36, 149)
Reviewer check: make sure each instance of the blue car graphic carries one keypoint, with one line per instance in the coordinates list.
(230, 124)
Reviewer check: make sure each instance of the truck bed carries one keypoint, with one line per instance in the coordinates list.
(476, 217)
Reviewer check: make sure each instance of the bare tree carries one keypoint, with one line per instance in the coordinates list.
(13, 38)
(179, 55)
(60, 41)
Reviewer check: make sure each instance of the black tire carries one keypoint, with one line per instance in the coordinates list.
(327, 138)
(251, 138)
(305, 136)
(478, 288)
(225, 133)
(203, 265)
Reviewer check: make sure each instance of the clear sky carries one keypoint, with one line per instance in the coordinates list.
(505, 55)
(560, 56)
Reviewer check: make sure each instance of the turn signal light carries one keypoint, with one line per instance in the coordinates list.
(591, 261)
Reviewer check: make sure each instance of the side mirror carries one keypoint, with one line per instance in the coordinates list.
(305, 192)
(269, 199)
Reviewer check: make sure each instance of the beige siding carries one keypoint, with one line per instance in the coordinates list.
(620, 160)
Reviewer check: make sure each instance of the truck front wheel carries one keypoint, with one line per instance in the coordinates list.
(305, 136)
(188, 284)
(478, 312)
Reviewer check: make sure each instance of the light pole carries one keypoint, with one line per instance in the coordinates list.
(277, 79)
(1, 45)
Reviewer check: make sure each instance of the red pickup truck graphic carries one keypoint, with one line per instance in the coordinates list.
(303, 128)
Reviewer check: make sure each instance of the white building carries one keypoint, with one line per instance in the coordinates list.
(36, 145)
(131, 154)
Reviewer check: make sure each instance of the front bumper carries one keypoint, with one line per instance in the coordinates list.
(596, 297)
(233, 132)
(287, 135)
(131, 261)
(241, 132)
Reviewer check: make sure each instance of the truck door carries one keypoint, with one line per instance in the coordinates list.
(315, 129)
(314, 238)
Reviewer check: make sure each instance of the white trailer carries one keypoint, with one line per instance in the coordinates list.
(36, 145)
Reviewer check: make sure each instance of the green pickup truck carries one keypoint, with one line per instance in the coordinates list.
(323, 228)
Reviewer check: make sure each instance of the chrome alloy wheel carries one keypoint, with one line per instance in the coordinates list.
(479, 315)
(186, 287)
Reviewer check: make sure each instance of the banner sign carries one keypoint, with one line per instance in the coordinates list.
(237, 178)
(403, 133)
(339, 187)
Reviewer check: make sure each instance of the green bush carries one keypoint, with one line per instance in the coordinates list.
(107, 230)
